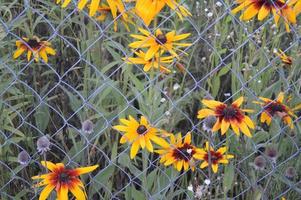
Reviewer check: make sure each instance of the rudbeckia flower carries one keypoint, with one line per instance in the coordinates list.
(158, 42)
(139, 134)
(284, 58)
(262, 8)
(228, 115)
(276, 107)
(34, 46)
(147, 10)
(115, 7)
(210, 156)
(62, 180)
(156, 62)
(179, 153)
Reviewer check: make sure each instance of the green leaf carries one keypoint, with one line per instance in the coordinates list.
(228, 178)
(42, 117)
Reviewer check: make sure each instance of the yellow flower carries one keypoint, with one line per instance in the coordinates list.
(156, 62)
(262, 8)
(116, 8)
(285, 59)
(34, 46)
(139, 134)
(278, 108)
(147, 10)
(158, 42)
(213, 158)
(62, 180)
(179, 153)
(228, 115)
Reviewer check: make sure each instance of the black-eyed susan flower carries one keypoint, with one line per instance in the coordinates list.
(62, 180)
(139, 134)
(228, 115)
(284, 58)
(277, 107)
(117, 11)
(262, 8)
(147, 10)
(179, 153)
(157, 62)
(158, 42)
(212, 157)
(34, 46)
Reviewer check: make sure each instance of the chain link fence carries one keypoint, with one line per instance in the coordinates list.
(77, 97)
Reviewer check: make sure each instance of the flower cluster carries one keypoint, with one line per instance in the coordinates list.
(286, 10)
(182, 154)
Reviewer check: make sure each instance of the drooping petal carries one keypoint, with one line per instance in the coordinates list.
(135, 148)
(78, 193)
(214, 168)
(160, 141)
(263, 12)
(204, 165)
(63, 192)
(250, 12)
(224, 126)
(46, 192)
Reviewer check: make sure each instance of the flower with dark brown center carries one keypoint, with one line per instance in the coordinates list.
(213, 158)
(63, 180)
(227, 115)
(184, 153)
(34, 43)
(161, 39)
(180, 153)
(141, 130)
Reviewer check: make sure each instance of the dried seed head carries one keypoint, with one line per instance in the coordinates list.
(209, 123)
(43, 144)
(87, 127)
(259, 162)
(272, 153)
(23, 157)
(290, 172)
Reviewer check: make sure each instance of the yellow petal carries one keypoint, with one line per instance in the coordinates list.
(78, 193)
(66, 3)
(121, 128)
(142, 141)
(244, 128)
(249, 122)
(135, 148)
(151, 52)
(49, 165)
(149, 145)
(216, 126)
(46, 192)
(93, 7)
(63, 193)
(143, 121)
(211, 103)
(187, 139)
(205, 113)
(238, 101)
(222, 150)
(241, 6)
(235, 128)
(84, 170)
(43, 55)
(250, 12)
(160, 141)
(280, 97)
(18, 52)
(180, 165)
(29, 53)
(263, 12)
(204, 164)
(81, 4)
(225, 126)
(214, 168)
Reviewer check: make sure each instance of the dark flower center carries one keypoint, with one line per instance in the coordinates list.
(214, 157)
(229, 113)
(161, 39)
(274, 107)
(33, 43)
(141, 130)
(184, 153)
(63, 177)
(270, 3)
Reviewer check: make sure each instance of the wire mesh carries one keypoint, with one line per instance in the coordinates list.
(89, 83)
